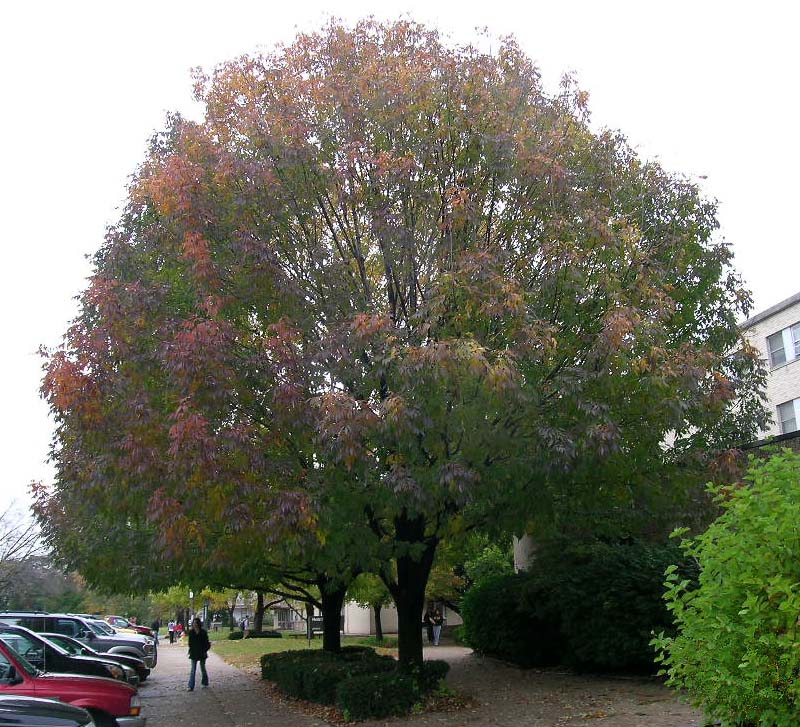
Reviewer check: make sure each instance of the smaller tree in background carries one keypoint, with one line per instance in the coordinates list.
(492, 560)
(737, 650)
(369, 591)
(19, 544)
(171, 602)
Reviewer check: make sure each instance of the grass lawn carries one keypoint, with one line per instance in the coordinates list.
(246, 653)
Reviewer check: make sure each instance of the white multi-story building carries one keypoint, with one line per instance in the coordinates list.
(775, 332)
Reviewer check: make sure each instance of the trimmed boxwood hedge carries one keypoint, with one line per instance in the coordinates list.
(235, 635)
(377, 695)
(363, 683)
(313, 674)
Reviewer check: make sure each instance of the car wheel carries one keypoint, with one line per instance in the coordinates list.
(103, 719)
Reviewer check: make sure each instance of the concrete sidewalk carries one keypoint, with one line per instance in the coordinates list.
(233, 699)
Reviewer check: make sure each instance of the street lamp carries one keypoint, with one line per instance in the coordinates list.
(191, 605)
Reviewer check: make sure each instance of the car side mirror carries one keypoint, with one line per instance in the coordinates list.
(12, 678)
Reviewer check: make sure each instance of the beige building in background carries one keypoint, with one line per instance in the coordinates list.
(775, 332)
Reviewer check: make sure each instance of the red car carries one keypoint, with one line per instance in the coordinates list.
(111, 703)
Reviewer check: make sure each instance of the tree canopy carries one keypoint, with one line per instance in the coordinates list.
(386, 291)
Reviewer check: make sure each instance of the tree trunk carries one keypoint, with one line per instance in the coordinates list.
(231, 610)
(258, 619)
(409, 590)
(332, 600)
(378, 624)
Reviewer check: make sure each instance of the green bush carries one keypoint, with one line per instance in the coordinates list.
(376, 695)
(586, 605)
(610, 599)
(431, 674)
(500, 622)
(236, 635)
(737, 651)
(313, 674)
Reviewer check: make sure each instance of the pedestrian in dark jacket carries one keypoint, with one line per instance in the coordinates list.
(437, 620)
(198, 652)
(427, 622)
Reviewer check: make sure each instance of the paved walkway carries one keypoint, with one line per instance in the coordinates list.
(232, 700)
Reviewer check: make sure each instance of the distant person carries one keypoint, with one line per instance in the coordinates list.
(437, 620)
(245, 627)
(198, 652)
(179, 630)
(171, 631)
(427, 622)
(154, 627)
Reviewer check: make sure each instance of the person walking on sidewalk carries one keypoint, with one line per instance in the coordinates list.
(198, 652)
(171, 631)
(437, 621)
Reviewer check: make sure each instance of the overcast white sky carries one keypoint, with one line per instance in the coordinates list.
(708, 87)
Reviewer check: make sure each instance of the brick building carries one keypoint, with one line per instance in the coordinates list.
(775, 332)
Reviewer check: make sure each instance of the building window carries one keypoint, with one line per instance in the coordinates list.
(784, 346)
(777, 353)
(788, 415)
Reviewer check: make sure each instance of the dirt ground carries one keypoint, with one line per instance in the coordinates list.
(504, 696)
(511, 697)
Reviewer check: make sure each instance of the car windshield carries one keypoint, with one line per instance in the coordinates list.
(101, 628)
(71, 647)
(24, 664)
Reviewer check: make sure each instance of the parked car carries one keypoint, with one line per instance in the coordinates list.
(73, 646)
(36, 712)
(48, 656)
(81, 628)
(111, 703)
(120, 622)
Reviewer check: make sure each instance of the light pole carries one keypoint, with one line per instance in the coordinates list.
(191, 606)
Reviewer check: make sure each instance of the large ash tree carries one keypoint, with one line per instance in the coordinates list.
(386, 291)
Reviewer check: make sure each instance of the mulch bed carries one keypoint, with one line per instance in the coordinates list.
(446, 701)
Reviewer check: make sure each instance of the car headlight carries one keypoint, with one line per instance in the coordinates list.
(116, 671)
(136, 706)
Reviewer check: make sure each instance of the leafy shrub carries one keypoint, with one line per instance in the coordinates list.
(498, 621)
(589, 606)
(376, 695)
(610, 600)
(492, 561)
(313, 674)
(236, 635)
(431, 674)
(737, 651)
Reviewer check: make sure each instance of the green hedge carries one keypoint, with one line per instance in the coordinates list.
(611, 599)
(502, 618)
(360, 681)
(314, 675)
(591, 606)
(235, 635)
(375, 696)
